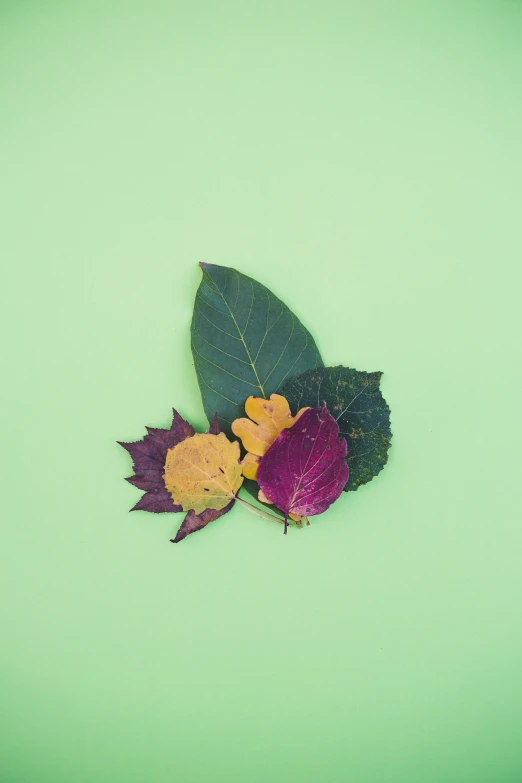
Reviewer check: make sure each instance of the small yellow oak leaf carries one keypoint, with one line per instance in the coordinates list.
(266, 420)
(203, 471)
(249, 465)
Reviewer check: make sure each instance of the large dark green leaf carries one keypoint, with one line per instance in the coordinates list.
(355, 400)
(245, 341)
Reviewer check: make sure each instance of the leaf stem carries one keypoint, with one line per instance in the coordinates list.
(260, 513)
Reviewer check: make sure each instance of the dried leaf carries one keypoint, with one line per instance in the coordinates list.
(271, 417)
(244, 341)
(203, 472)
(363, 415)
(266, 420)
(249, 465)
(304, 470)
(194, 522)
(214, 428)
(148, 456)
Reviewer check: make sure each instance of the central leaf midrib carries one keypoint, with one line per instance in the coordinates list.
(252, 364)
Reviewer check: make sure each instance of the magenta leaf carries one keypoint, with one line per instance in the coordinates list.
(304, 470)
(149, 456)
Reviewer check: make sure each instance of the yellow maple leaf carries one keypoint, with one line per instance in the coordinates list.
(267, 418)
(203, 471)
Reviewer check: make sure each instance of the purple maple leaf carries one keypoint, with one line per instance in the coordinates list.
(305, 469)
(149, 456)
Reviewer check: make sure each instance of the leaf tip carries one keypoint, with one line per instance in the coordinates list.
(211, 269)
(126, 446)
(214, 428)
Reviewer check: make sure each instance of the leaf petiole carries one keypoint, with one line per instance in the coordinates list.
(260, 513)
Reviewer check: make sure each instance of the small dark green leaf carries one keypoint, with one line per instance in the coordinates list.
(355, 400)
(245, 341)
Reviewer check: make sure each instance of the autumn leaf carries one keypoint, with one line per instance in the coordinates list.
(203, 472)
(245, 342)
(249, 465)
(149, 456)
(304, 470)
(194, 522)
(355, 400)
(267, 418)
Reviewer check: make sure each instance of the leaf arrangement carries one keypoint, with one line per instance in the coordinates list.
(291, 431)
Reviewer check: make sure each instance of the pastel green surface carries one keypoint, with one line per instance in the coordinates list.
(364, 162)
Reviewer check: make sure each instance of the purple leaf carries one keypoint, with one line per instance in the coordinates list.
(214, 428)
(156, 500)
(148, 456)
(304, 470)
(194, 522)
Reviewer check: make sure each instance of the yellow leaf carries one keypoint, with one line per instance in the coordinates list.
(266, 420)
(275, 410)
(249, 465)
(203, 471)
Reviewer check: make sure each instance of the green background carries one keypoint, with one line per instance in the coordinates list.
(364, 161)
